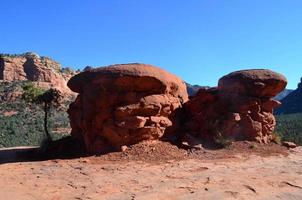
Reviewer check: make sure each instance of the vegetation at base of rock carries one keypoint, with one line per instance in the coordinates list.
(222, 141)
(289, 127)
(25, 126)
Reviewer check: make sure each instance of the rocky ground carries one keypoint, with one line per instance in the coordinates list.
(160, 171)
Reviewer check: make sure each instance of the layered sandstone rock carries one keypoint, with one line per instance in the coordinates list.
(123, 104)
(44, 71)
(240, 107)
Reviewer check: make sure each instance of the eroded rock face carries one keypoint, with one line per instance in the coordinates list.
(240, 107)
(29, 66)
(123, 104)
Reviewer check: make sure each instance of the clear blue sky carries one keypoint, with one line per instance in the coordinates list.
(199, 40)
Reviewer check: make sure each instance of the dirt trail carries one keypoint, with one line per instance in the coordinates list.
(239, 177)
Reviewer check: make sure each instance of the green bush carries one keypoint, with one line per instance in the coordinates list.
(31, 92)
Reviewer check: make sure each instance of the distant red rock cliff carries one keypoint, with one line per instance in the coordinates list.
(44, 71)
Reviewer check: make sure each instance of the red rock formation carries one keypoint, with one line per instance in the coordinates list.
(123, 104)
(42, 70)
(240, 107)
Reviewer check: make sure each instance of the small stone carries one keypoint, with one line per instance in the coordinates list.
(124, 148)
(84, 160)
(289, 144)
(198, 146)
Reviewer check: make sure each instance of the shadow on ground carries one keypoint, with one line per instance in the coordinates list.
(65, 148)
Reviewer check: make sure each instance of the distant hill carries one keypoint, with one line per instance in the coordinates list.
(292, 103)
(193, 89)
(283, 94)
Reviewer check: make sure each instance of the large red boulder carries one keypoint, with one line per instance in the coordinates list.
(123, 104)
(240, 108)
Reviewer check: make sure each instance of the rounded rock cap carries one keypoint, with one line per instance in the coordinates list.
(142, 77)
(253, 82)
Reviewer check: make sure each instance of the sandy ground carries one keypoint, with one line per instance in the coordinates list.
(238, 177)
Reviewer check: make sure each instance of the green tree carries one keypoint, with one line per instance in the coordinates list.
(50, 98)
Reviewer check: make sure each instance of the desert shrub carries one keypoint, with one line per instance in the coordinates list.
(31, 93)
